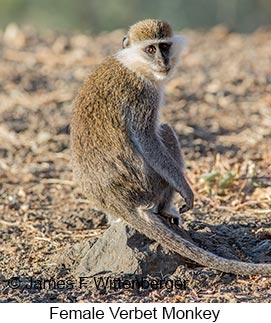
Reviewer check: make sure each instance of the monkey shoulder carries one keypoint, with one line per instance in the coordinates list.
(114, 87)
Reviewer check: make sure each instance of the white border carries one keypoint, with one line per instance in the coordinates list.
(154, 312)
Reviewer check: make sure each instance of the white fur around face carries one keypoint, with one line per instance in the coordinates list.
(133, 58)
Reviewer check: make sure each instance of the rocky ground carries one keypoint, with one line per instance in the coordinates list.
(220, 104)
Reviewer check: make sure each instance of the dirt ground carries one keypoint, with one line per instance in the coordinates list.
(220, 104)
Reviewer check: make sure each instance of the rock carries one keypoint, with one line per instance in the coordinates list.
(14, 37)
(122, 249)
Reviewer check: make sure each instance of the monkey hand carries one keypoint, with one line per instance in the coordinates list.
(188, 195)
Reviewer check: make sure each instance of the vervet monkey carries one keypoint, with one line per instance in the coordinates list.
(125, 160)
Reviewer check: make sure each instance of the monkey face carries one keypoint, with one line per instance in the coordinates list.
(151, 49)
(154, 59)
(159, 54)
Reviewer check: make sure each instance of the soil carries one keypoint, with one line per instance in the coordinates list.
(219, 102)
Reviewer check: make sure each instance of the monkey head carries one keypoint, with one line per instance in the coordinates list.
(151, 49)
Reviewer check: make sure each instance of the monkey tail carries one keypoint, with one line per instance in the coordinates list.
(153, 227)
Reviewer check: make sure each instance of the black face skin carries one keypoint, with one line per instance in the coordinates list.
(159, 53)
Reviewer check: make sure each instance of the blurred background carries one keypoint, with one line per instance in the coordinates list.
(105, 15)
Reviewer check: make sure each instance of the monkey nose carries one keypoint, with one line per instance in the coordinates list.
(164, 66)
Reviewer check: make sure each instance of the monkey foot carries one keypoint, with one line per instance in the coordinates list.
(172, 216)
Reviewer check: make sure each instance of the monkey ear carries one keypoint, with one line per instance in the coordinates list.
(125, 42)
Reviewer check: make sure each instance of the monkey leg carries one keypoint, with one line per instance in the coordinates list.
(171, 142)
(165, 206)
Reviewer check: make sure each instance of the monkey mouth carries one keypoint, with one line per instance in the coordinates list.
(164, 70)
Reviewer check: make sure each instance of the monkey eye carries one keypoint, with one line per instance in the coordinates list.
(164, 46)
(150, 49)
